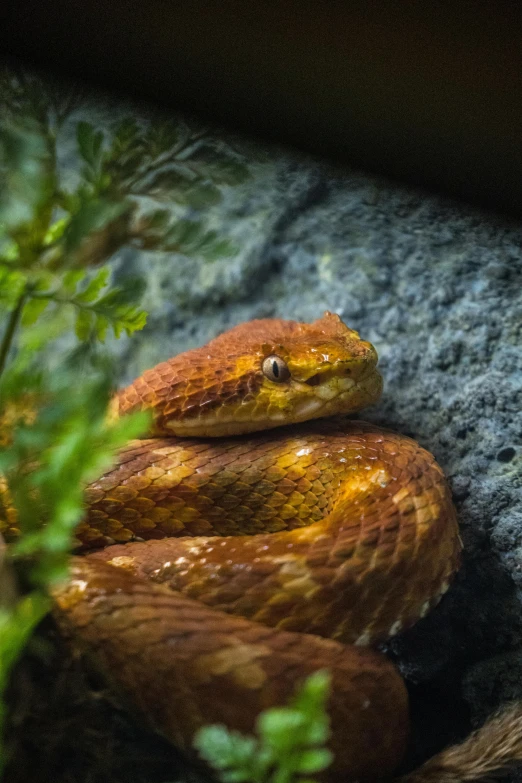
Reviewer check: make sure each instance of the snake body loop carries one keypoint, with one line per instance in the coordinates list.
(240, 563)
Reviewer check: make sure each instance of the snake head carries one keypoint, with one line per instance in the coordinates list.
(258, 375)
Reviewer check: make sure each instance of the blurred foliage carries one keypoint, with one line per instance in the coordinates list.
(54, 244)
(16, 627)
(289, 746)
(54, 432)
(56, 439)
(51, 455)
(132, 176)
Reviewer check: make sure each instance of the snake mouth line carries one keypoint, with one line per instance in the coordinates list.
(315, 380)
(333, 397)
(352, 374)
(343, 395)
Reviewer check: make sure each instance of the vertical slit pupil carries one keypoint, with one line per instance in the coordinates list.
(275, 369)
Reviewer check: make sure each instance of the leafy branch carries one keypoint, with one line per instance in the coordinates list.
(98, 305)
(289, 743)
(166, 160)
(10, 329)
(54, 245)
(64, 443)
(56, 440)
(48, 232)
(54, 432)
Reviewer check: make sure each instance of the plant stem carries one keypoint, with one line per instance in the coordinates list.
(10, 330)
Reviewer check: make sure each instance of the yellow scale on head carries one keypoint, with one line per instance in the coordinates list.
(257, 376)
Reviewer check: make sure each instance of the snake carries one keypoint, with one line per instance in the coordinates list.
(260, 533)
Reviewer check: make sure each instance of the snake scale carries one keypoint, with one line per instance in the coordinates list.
(258, 535)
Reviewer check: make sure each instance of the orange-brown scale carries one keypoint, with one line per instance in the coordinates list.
(220, 389)
(187, 666)
(340, 529)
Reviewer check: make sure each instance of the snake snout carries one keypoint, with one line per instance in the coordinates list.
(362, 366)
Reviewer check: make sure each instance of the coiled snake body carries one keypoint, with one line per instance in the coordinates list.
(259, 558)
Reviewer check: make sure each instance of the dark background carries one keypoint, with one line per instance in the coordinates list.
(429, 93)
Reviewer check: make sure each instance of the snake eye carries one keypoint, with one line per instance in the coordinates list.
(275, 369)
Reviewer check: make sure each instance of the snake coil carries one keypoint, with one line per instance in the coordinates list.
(258, 535)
